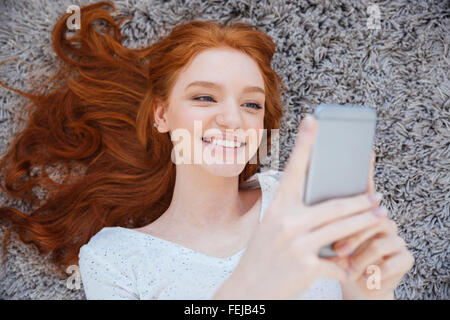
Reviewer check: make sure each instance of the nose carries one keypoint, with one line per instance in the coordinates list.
(229, 116)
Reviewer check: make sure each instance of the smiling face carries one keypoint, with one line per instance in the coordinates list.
(219, 95)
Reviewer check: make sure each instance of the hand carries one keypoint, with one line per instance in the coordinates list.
(281, 260)
(379, 258)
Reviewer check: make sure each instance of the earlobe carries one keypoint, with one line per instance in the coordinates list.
(161, 126)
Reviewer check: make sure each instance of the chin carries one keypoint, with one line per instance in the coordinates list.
(224, 170)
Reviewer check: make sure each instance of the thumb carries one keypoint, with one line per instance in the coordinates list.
(292, 183)
(371, 183)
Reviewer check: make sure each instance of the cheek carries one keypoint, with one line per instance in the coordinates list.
(186, 118)
(259, 125)
(256, 138)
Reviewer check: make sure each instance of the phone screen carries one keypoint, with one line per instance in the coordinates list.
(340, 156)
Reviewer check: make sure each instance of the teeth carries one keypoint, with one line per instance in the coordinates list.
(223, 143)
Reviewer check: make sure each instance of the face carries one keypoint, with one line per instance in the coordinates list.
(218, 96)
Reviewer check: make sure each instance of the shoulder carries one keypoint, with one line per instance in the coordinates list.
(107, 263)
(106, 239)
(270, 179)
(272, 173)
(112, 245)
(266, 176)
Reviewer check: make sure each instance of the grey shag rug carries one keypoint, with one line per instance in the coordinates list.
(326, 52)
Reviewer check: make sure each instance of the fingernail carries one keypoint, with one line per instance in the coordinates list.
(375, 197)
(380, 211)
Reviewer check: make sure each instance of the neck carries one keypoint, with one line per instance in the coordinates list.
(203, 201)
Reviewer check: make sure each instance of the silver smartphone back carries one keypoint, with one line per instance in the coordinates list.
(340, 157)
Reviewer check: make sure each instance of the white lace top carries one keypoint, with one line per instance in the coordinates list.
(120, 263)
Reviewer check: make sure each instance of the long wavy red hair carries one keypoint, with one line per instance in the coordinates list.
(96, 119)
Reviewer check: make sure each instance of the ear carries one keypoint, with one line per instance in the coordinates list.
(160, 116)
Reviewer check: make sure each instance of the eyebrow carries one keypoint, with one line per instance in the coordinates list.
(213, 85)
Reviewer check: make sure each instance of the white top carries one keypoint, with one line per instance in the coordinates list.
(120, 263)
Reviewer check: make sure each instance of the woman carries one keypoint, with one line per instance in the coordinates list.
(142, 224)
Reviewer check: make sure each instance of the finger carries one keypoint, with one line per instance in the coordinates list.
(397, 265)
(342, 262)
(389, 285)
(331, 210)
(342, 228)
(375, 250)
(333, 270)
(371, 184)
(291, 185)
(387, 282)
(349, 244)
(375, 281)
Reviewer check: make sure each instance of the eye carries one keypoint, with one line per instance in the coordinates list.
(202, 97)
(254, 105)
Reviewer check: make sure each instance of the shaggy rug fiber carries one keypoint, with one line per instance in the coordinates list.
(327, 51)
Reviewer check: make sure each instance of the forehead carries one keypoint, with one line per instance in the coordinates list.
(222, 65)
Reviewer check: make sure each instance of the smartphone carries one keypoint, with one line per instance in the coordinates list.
(340, 157)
